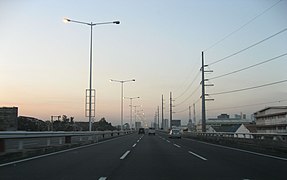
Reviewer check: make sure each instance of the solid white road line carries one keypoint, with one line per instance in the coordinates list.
(124, 155)
(241, 150)
(176, 145)
(134, 145)
(197, 155)
(58, 152)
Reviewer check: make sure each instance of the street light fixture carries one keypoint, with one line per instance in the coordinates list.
(66, 20)
(131, 105)
(122, 96)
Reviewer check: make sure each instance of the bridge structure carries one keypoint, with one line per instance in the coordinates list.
(129, 155)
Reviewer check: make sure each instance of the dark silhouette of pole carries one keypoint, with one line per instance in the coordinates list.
(203, 124)
(162, 111)
(170, 112)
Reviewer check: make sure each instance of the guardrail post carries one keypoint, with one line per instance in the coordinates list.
(48, 142)
(68, 139)
(20, 147)
(2, 145)
(60, 140)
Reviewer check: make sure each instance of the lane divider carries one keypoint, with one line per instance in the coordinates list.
(134, 145)
(200, 157)
(124, 155)
(102, 178)
(176, 145)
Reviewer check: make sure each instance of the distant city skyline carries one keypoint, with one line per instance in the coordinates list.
(44, 63)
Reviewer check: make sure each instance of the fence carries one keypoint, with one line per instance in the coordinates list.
(14, 141)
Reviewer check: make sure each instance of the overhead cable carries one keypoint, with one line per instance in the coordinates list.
(249, 88)
(188, 96)
(234, 107)
(196, 76)
(242, 50)
(241, 27)
(254, 65)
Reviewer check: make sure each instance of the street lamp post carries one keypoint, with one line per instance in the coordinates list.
(122, 97)
(131, 109)
(66, 20)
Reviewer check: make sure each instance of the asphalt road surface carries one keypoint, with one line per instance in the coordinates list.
(148, 157)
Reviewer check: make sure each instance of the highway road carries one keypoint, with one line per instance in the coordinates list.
(148, 157)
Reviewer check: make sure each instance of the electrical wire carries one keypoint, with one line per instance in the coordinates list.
(234, 107)
(188, 107)
(196, 76)
(241, 27)
(244, 49)
(188, 96)
(249, 88)
(248, 67)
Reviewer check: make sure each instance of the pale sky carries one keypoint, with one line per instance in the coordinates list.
(44, 63)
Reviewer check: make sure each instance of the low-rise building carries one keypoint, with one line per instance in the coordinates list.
(271, 120)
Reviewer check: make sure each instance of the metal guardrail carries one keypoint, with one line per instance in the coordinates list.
(269, 136)
(13, 141)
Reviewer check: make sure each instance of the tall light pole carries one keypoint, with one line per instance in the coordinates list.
(131, 109)
(91, 24)
(122, 97)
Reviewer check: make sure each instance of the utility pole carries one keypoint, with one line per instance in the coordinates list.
(170, 110)
(158, 117)
(194, 113)
(189, 108)
(162, 111)
(203, 124)
(203, 92)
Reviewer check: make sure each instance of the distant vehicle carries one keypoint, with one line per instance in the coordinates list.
(151, 131)
(141, 131)
(175, 133)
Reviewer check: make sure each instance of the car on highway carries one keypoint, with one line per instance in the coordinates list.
(141, 131)
(151, 131)
(174, 133)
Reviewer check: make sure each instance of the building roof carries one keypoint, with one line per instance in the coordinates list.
(226, 128)
(272, 107)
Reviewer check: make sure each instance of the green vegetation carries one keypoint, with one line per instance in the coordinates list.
(66, 124)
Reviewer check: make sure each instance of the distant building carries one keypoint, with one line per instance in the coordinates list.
(138, 125)
(239, 130)
(175, 123)
(225, 119)
(271, 120)
(8, 118)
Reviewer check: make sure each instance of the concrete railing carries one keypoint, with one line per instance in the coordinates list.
(13, 141)
(271, 142)
(269, 136)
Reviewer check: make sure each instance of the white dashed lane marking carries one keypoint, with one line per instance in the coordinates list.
(124, 155)
(200, 157)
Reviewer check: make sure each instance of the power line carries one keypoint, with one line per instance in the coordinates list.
(248, 67)
(188, 107)
(186, 79)
(242, 50)
(234, 107)
(182, 110)
(249, 88)
(241, 27)
(196, 76)
(189, 96)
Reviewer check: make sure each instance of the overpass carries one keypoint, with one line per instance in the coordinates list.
(137, 156)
